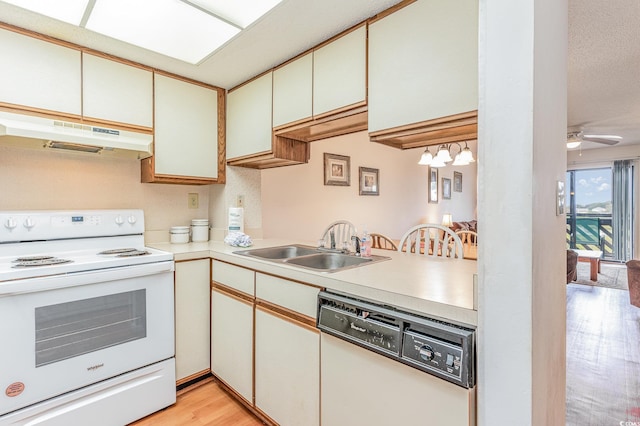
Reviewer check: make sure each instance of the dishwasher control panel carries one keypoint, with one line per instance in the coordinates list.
(435, 355)
(437, 347)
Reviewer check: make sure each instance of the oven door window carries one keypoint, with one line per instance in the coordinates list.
(66, 330)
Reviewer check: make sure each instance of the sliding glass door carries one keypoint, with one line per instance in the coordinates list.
(599, 216)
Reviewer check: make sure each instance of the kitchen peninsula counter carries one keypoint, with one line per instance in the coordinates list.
(436, 287)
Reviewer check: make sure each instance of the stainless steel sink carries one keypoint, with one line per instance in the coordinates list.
(280, 252)
(320, 260)
(329, 261)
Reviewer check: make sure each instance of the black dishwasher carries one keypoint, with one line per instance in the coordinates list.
(437, 347)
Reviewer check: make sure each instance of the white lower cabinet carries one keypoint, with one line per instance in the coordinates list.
(364, 388)
(287, 372)
(192, 319)
(232, 342)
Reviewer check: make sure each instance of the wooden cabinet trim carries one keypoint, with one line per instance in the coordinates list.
(188, 80)
(443, 130)
(55, 115)
(291, 280)
(233, 293)
(262, 74)
(195, 259)
(343, 33)
(248, 405)
(302, 121)
(287, 315)
(193, 377)
(390, 10)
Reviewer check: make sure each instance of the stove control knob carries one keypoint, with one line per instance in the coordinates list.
(10, 223)
(119, 220)
(29, 223)
(132, 219)
(426, 353)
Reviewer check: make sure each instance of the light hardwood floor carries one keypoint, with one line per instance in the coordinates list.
(603, 357)
(202, 404)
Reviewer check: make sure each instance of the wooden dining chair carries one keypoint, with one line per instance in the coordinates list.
(433, 240)
(379, 241)
(469, 243)
(342, 230)
(468, 237)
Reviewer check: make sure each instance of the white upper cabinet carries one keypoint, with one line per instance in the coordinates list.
(249, 109)
(186, 129)
(117, 92)
(292, 91)
(340, 72)
(423, 63)
(39, 75)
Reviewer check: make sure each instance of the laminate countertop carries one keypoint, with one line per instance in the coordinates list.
(440, 288)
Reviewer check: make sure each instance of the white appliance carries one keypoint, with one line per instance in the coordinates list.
(86, 319)
(400, 367)
(39, 132)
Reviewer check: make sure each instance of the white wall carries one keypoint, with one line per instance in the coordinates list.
(34, 179)
(296, 204)
(240, 181)
(521, 258)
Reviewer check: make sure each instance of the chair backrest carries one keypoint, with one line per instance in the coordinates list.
(468, 237)
(379, 241)
(342, 230)
(431, 239)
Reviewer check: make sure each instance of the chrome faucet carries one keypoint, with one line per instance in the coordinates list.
(357, 241)
(332, 234)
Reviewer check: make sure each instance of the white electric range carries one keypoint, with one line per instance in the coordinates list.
(88, 314)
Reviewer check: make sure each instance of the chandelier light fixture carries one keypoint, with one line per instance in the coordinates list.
(443, 156)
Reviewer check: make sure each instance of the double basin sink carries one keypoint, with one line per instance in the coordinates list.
(317, 259)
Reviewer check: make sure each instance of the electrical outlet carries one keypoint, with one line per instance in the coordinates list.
(193, 200)
(240, 201)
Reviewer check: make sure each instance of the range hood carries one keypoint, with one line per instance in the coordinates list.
(38, 132)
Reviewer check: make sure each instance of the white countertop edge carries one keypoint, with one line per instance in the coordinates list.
(348, 281)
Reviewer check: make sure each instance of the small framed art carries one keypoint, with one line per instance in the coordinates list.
(337, 170)
(369, 181)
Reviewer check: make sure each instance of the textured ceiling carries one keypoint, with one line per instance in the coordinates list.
(604, 69)
(290, 28)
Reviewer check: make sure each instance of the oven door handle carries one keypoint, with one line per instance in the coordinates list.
(32, 285)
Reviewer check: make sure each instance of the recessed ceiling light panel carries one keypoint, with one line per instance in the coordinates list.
(70, 11)
(169, 27)
(240, 12)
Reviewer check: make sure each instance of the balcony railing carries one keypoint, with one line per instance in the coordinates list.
(593, 232)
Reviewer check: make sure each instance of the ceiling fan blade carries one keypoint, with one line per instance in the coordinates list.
(601, 140)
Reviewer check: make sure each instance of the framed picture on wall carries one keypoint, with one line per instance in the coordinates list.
(457, 181)
(446, 188)
(433, 185)
(337, 170)
(369, 181)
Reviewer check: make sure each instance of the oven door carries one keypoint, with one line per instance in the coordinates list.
(61, 333)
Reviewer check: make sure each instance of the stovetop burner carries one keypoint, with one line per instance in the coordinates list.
(119, 251)
(134, 253)
(46, 261)
(124, 252)
(31, 258)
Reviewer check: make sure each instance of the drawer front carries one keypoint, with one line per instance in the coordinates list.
(238, 278)
(294, 296)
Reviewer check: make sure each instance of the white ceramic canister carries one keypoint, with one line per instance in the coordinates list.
(179, 234)
(199, 230)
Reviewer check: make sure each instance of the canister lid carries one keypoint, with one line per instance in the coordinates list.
(179, 230)
(200, 222)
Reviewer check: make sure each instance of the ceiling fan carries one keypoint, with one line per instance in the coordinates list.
(574, 139)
